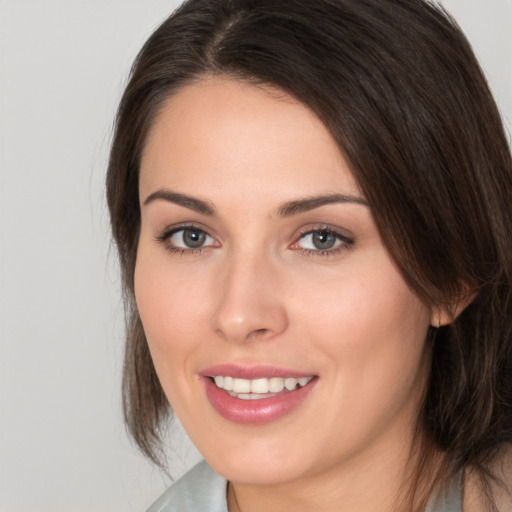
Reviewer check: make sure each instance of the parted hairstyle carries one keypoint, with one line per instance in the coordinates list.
(401, 92)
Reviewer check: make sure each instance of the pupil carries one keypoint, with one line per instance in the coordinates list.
(193, 238)
(323, 240)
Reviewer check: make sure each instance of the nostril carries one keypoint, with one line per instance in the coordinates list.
(259, 333)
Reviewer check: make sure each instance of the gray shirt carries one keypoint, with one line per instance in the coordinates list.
(199, 490)
(203, 490)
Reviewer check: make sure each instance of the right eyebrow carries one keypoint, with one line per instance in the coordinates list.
(310, 203)
(189, 202)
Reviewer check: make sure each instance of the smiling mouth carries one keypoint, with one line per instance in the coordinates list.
(257, 389)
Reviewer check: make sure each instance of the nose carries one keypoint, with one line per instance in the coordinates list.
(250, 304)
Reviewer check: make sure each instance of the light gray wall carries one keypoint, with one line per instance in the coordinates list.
(62, 67)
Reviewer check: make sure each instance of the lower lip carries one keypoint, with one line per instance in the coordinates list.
(255, 412)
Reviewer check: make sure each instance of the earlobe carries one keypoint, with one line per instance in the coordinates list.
(441, 316)
(445, 314)
(435, 319)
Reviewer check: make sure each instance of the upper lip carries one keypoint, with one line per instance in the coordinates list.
(240, 371)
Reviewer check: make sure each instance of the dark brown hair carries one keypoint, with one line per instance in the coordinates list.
(399, 88)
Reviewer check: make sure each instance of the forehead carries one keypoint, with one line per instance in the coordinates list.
(220, 131)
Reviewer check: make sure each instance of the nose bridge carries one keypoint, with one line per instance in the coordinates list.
(249, 305)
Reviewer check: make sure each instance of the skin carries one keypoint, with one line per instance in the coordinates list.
(259, 292)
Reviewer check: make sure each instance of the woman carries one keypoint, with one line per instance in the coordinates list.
(311, 202)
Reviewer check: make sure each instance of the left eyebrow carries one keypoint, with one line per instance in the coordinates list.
(310, 203)
(184, 200)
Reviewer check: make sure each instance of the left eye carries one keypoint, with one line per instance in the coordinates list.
(190, 238)
(320, 240)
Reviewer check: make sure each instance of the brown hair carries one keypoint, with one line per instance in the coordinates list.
(399, 88)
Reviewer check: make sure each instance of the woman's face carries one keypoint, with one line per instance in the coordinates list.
(260, 266)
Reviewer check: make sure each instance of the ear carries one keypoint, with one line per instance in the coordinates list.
(445, 314)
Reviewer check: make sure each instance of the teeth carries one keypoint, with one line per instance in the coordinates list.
(259, 386)
(247, 396)
(290, 383)
(228, 383)
(276, 384)
(241, 386)
(250, 389)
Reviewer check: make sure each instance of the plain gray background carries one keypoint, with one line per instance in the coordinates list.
(62, 68)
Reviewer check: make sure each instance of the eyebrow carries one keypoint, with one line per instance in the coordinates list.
(184, 200)
(310, 203)
(288, 209)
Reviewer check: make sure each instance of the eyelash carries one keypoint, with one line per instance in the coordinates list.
(166, 236)
(344, 241)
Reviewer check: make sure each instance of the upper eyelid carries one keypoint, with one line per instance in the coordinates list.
(170, 230)
(342, 233)
(328, 230)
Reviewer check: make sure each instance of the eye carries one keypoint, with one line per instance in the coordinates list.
(190, 238)
(322, 242)
(186, 238)
(319, 240)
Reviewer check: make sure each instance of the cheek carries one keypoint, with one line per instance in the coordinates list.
(166, 297)
(372, 328)
(169, 309)
(372, 334)
(362, 311)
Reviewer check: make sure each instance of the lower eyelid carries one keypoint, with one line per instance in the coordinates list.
(324, 253)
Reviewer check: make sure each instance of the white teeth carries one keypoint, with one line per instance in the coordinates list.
(241, 386)
(228, 383)
(250, 389)
(259, 386)
(243, 396)
(276, 384)
(247, 396)
(290, 383)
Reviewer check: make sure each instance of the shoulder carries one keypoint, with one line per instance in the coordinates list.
(500, 489)
(199, 490)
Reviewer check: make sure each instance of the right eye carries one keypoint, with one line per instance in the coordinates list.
(187, 238)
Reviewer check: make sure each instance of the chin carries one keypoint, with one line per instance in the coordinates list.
(258, 463)
(264, 472)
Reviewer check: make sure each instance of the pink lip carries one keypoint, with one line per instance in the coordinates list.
(253, 412)
(250, 372)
